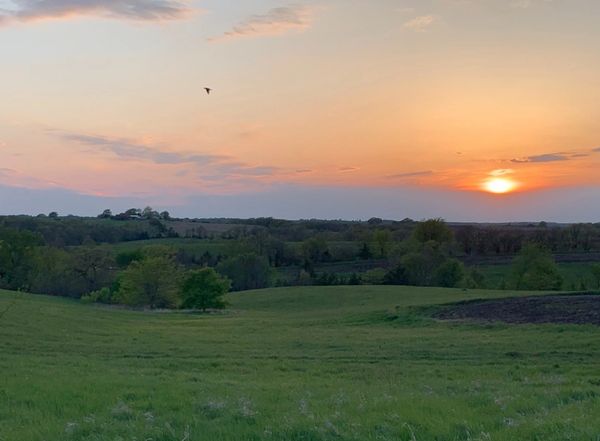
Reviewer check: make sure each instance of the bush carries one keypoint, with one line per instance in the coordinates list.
(375, 276)
(103, 295)
(450, 273)
(204, 289)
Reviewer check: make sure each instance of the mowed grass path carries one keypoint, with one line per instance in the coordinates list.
(336, 363)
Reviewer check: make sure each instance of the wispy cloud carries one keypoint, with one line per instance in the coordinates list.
(348, 169)
(555, 157)
(421, 23)
(502, 172)
(15, 178)
(415, 174)
(209, 166)
(138, 10)
(548, 157)
(275, 22)
(130, 149)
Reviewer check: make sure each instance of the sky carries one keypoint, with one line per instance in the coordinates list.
(470, 110)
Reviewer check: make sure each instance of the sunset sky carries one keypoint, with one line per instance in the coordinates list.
(330, 109)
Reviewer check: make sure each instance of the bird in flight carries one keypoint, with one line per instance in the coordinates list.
(208, 90)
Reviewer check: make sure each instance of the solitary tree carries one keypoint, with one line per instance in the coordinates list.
(204, 289)
(152, 282)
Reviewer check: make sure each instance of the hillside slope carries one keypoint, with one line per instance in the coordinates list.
(339, 363)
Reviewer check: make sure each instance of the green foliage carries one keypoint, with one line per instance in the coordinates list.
(93, 265)
(16, 253)
(365, 252)
(421, 267)
(474, 279)
(152, 282)
(450, 273)
(52, 272)
(316, 250)
(124, 258)
(382, 240)
(304, 278)
(595, 269)
(535, 269)
(433, 230)
(204, 289)
(246, 271)
(375, 276)
(104, 295)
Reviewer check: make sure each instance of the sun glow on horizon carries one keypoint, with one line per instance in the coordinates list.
(499, 185)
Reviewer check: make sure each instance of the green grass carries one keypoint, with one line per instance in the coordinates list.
(577, 276)
(338, 363)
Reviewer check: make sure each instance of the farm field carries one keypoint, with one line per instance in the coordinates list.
(310, 363)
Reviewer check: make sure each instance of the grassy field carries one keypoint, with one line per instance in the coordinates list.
(577, 276)
(339, 363)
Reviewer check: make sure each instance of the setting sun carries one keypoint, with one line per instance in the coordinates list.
(499, 185)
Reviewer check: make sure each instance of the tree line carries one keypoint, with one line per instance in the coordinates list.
(256, 255)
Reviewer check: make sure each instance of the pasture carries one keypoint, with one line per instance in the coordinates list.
(311, 363)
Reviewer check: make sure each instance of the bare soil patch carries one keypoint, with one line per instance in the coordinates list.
(568, 309)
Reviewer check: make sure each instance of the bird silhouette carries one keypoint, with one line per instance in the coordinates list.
(208, 90)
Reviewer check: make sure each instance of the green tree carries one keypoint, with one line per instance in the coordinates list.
(433, 230)
(93, 265)
(204, 289)
(16, 257)
(315, 250)
(534, 269)
(246, 271)
(596, 273)
(420, 267)
(450, 273)
(382, 239)
(365, 252)
(106, 214)
(152, 282)
(52, 273)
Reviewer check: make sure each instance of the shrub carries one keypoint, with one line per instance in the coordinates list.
(450, 273)
(103, 295)
(204, 289)
(375, 276)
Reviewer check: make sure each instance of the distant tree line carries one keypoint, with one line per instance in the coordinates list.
(65, 255)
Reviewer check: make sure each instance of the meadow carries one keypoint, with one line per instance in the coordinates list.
(306, 363)
(577, 276)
